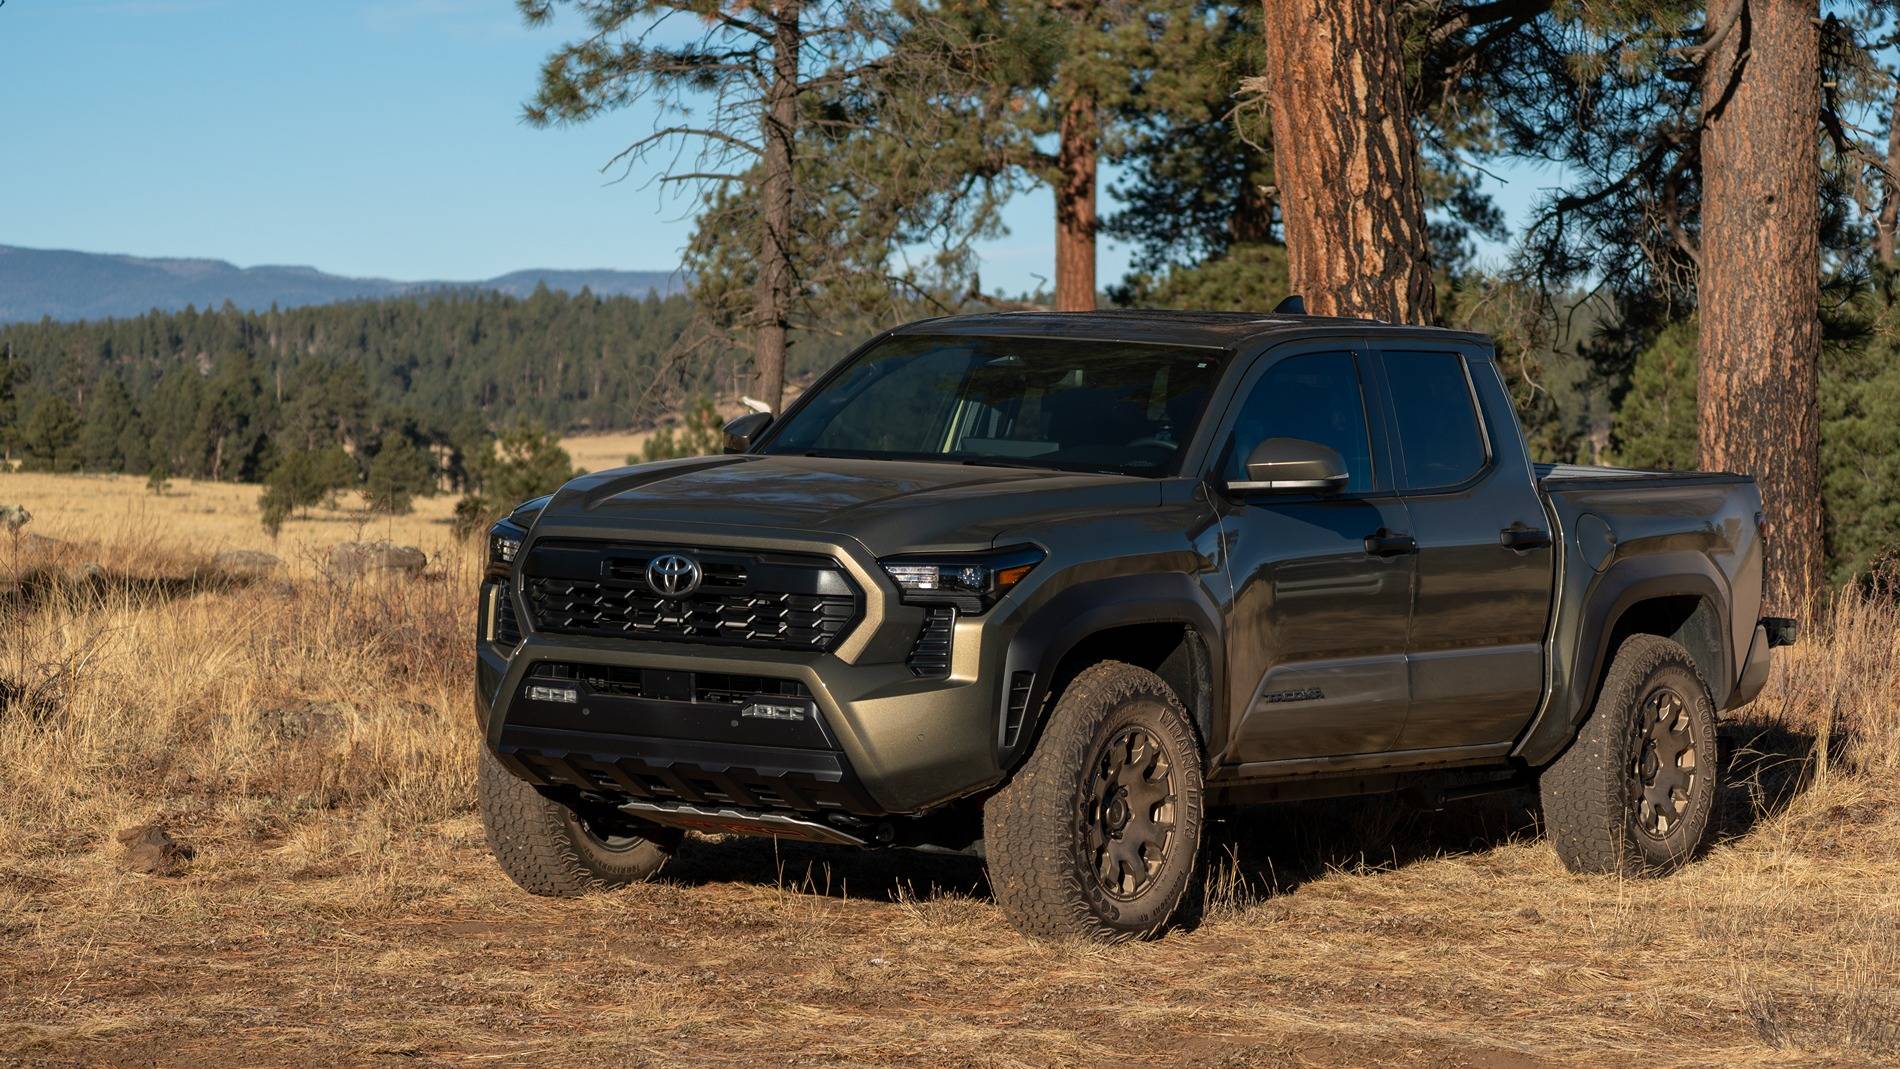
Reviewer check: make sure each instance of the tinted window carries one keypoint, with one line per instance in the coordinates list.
(1315, 396)
(1070, 405)
(1439, 433)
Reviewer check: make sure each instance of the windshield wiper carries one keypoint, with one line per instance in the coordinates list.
(997, 462)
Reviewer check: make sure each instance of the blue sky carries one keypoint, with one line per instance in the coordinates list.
(362, 138)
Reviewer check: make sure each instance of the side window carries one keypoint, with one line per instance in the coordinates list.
(1315, 396)
(1440, 436)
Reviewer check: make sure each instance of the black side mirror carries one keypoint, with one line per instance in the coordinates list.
(1293, 465)
(743, 431)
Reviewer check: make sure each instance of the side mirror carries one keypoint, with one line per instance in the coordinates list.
(742, 432)
(1293, 465)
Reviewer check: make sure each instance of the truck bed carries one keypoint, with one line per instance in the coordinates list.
(1624, 535)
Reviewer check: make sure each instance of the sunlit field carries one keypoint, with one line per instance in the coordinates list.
(215, 516)
(311, 740)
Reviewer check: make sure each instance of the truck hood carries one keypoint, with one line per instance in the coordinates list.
(889, 506)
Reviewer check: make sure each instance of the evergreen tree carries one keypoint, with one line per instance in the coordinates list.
(702, 435)
(1656, 425)
(302, 479)
(523, 463)
(102, 439)
(397, 474)
(49, 436)
(803, 113)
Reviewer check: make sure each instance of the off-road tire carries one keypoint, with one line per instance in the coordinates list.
(1594, 796)
(1040, 831)
(547, 849)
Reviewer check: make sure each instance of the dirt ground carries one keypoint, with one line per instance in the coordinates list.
(312, 742)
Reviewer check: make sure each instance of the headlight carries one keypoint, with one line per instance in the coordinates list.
(504, 545)
(971, 582)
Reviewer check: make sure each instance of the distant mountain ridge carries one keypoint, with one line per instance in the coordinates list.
(67, 285)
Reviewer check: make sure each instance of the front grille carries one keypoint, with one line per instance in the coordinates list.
(776, 601)
(930, 654)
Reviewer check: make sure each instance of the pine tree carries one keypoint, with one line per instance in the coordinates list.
(397, 475)
(522, 463)
(49, 436)
(1656, 425)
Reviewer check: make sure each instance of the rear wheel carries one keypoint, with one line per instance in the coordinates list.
(1098, 834)
(1633, 795)
(549, 849)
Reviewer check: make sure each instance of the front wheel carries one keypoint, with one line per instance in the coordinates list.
(1098, 834)
(1634, 793)
(548, 849)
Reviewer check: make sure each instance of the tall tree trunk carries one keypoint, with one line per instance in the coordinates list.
(1759, 291)
(1075, 204)
(772, 300)
(1346, 160)
(1889, 195)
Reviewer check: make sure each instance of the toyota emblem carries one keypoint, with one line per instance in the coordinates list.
(672, 575)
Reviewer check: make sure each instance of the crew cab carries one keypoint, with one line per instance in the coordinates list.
(1049, 588)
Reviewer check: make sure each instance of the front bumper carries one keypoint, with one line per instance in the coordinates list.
(875, 741)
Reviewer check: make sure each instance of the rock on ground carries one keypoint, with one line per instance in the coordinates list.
(320, 722)
(150, 849)
(352, 559)
(246, 562)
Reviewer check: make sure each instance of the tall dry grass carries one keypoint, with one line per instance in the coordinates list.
(313, 739)
(142, 683)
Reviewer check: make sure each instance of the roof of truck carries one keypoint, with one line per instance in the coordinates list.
(1219, 329)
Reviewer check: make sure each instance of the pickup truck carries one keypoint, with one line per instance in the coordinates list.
(1049, 588)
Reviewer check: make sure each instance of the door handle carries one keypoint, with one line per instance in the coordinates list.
(1384, 543)
(1520, 537)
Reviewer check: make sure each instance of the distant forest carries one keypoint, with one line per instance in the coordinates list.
(222, 394)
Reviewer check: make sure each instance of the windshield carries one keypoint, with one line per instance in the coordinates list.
(1046, 403)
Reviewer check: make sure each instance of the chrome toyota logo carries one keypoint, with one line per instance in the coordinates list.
(672, 575)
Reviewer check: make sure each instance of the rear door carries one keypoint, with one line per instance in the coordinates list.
(1475, 654)
(1322, 582)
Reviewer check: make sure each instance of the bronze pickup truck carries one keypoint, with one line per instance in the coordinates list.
(1048, 588)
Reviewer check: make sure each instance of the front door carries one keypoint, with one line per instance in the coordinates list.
(1484, 556)
(1322, 582)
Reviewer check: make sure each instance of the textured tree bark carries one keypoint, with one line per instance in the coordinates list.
(1345, 159)
(1889, 195)
(778, 128)
(1075, 205)
(1759, 291)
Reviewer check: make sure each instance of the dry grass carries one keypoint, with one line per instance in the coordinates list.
(314, 743)
(113, 510)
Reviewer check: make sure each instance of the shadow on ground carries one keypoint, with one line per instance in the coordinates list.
(1257, 852)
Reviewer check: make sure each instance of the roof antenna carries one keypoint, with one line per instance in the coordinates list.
(1294, 305)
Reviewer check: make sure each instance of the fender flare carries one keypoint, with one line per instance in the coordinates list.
(1585, 624)
(1054, 629)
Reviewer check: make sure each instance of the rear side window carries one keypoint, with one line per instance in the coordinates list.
(1440, 437)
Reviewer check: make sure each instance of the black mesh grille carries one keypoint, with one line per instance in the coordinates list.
(930, 654)
(507, 629)
(763, 600)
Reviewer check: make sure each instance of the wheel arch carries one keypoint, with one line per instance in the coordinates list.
(1160, 622)
(1680, 596)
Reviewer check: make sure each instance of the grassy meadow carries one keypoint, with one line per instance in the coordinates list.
(312, 741)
